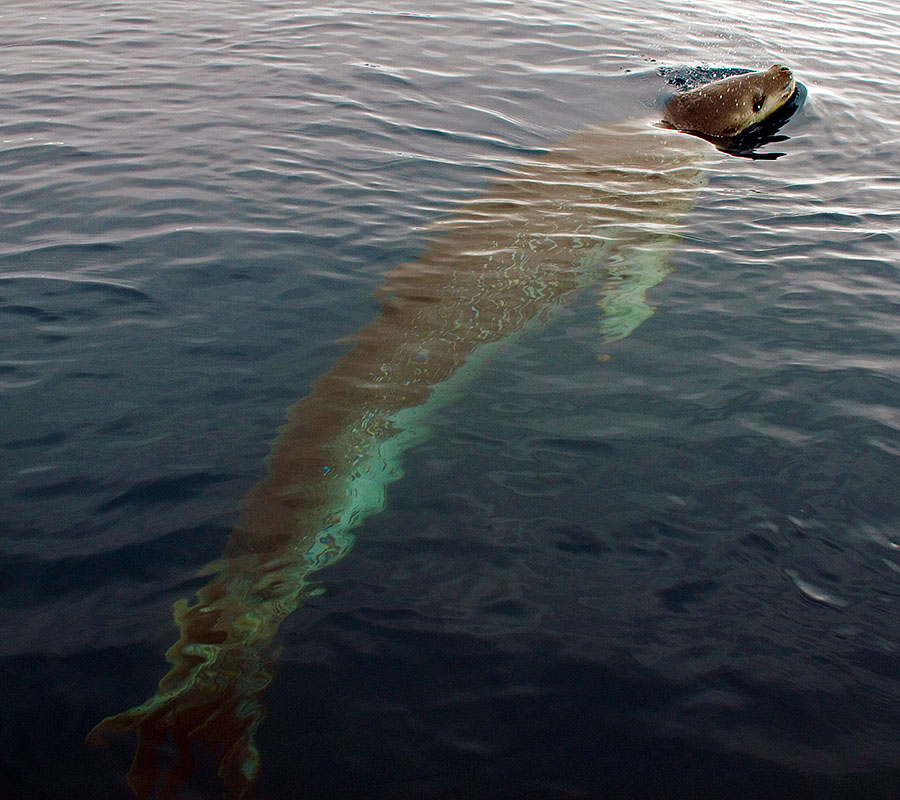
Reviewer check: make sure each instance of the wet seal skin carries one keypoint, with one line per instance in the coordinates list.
(738, 113)
(601, 208)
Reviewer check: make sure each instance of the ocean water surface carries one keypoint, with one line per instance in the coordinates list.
(662, 566)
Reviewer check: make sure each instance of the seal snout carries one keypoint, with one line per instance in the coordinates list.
(785, 76)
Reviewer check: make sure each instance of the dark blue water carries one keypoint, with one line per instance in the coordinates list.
(668, 566)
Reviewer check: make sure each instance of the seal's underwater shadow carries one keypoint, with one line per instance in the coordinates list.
(602, 206)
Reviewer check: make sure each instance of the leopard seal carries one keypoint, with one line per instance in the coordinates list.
(603, 206)
(727, 107)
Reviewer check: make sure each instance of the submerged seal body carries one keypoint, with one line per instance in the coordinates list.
(602, 206)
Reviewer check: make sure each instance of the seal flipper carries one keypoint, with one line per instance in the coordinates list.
(632, 272)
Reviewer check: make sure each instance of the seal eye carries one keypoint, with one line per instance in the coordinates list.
(758, 104)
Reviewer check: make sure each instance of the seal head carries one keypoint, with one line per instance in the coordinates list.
(727, 108)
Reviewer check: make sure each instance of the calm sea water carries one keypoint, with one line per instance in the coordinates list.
(673, 572)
